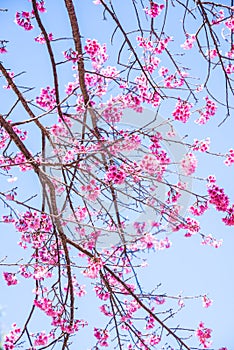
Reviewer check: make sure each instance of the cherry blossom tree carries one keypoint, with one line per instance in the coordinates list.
(112, 178)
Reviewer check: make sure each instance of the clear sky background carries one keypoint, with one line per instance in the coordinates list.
(187, 266)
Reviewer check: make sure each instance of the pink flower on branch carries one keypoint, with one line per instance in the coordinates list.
(182, 111)
(154, 10)
(23, 19)
(204, 335)
(10, 278)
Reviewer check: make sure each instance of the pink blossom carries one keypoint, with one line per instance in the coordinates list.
(23, 19)
(230, 23)
(71, 55)
(218, 198)
(229, 158)
(102, 335)
(199, 208)
(189, 164)
(94, 266)
(3, 48)
(218, 17)
(182, 111)
(229, 69)
(115, 174)
(192, 226)
(41, 339)
(189, 42)
(47, 98)
(96, 52)
(154, 10)
(206, 302)
(211, 241)
(204, 335)
(229, 219)
(11, 338)
(10, 278)
(208, 111)
(202, 145)
(41, 40)
(92, 190)
(212, 53)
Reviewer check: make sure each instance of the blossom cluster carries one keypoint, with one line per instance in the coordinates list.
(204, 335)
(154, 10)
(182, 111)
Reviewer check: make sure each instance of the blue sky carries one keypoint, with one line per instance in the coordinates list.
(187, 266)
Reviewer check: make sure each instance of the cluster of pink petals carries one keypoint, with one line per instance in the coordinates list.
(206, 302)
(182, 111)
(189, 164)
(23, 19)
(218, 198)
(92, 190)
(212, 53)
(41, 339)
(102, 335)
(209, 111)
(229, 69)
(202, 145)
(41, 39)
(94, 266)
(101, 293)
(209, 240)
(96, 52)
(4, 137)
(218, 17)
(192, 226)
(189, 42)
(11, 338)
(204, 335)
(230, 23)
(10, 278)
(116, 175)
(229, 219)
(155, 47)
(198, 208)
(229, 158)
(47, 98)
(154, 10)
(71, 55)
(2, 47)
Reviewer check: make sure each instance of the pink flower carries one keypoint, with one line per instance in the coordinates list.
(41, 40)
(206, 302)
(218, 198)
(10, 278)
(189, 163)
(189, 42)
(229, 219)
(182, 111)
(208, 111)
(47, 98)
(115, 174)
(3, 49)
(154, 10)
(95, 265)
(41, 339)
(202, 145)
(102, 335)
(204, 334)
(23, 19)
(230, 23)
(229, 158)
